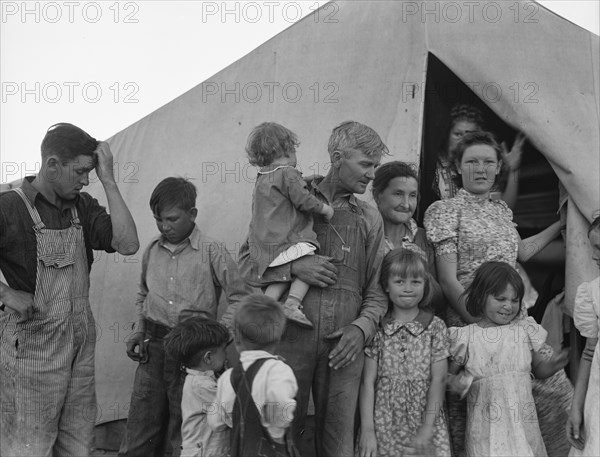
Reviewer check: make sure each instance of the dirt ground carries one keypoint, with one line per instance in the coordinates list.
(108, 437)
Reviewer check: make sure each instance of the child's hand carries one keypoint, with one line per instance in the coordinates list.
(421, 443)
(575, 430)
(560, 360)
(459, 383)
(328, 212)
(367, 443)
(137, 341)
(512, 158)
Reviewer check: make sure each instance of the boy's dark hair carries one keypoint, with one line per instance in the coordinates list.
(406, 263)
(354, 135)
(390, 170)
(173, 193)
(67, 141)
(259, 321)
(491, 278)
(190, 339)
(269, 141)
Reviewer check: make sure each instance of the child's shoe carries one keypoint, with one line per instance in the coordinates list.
(291, 309)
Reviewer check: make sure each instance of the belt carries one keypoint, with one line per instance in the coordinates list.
(156, 330)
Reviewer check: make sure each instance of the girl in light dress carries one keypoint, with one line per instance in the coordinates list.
(498, 354)
(583, 425)
(403, 382)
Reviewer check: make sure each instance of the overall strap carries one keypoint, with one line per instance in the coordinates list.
(238, 372)
(75, 217)
(33, 212)
(246, 418)
(37, 220)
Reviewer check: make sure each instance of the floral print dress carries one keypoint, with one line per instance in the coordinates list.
(473, 231)
(404, 352)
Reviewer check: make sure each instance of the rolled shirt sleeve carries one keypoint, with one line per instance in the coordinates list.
(227, 276)
(298, 192)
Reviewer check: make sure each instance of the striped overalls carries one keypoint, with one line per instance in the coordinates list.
(47, 394)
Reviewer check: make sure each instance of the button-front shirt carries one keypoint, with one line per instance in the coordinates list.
(274, 391)
(187, 280)
(197, 402)
(18, 244)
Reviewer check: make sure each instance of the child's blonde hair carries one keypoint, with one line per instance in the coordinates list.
(270, 141)
(259, 322)
(405, 263)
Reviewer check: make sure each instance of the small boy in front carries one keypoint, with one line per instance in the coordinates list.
(199, 344)
(183, 275)
(262, 385)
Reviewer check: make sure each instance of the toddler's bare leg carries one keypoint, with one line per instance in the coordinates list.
(293, 305)
(276, 290)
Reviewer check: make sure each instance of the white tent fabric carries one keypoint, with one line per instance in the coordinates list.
(365, 61)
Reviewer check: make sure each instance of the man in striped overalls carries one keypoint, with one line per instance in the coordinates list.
(48, 229)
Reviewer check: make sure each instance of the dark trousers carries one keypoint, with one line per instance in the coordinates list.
(154, 419)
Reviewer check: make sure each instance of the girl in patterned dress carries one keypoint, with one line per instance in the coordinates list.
(402, 390)
(467, 231)
(498, 354)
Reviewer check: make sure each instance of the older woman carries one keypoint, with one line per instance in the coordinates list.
(470, 229)
(396, 190)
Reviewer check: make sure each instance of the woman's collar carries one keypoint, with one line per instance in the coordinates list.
(471, 197)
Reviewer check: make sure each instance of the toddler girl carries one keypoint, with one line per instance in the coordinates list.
(402, 390)
(498, 353)
(281, 229)
(584, 419)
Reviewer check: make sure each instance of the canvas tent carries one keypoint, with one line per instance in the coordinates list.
(366, 61)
